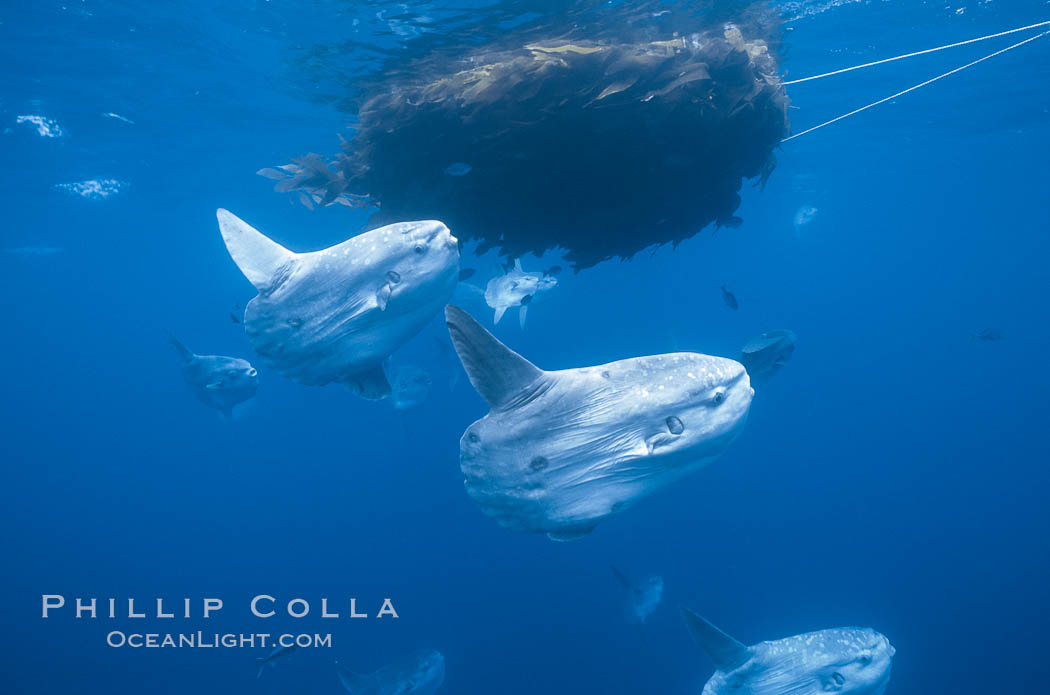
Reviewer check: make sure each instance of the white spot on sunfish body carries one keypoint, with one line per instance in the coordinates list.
(93, 189)
(45, 127)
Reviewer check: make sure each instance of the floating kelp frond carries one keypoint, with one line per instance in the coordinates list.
(596, 145)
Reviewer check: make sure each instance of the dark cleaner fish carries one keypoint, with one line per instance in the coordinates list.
(419, 673)
(271, 659)
(765, 355)
(848, 660)
(218, 381)
(560, 451)
(730, 299)
(335, 315)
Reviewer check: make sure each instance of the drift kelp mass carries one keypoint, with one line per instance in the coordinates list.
(600, 129)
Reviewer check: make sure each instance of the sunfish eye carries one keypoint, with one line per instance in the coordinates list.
(718, 397)
(674, 425)
(393, 276)
(420, 248)
(864, 659)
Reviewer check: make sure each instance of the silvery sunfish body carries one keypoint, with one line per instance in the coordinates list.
(334, 315)
(765, 355)
(560, 451)
(516, 288)
(271, 659)
(419, 673)
(219, 381)
(645, 595)
(848, 660)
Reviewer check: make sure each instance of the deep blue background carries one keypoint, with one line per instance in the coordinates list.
(893, 475)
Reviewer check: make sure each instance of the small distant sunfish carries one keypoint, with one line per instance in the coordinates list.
(409, 387)
(730, 299)
(335, 315)
(803, 217)
(419, 673)
(765, 355)
(560, 451)
(645, 596)
(458, 169)
(277, 653)
(516, 288)
(118, 117)
(219, 381)
(849, 660)
(986, 334)
(33, 251)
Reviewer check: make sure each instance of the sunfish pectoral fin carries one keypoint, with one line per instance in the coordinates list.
(383, 296)
(498, 315)
(258, 256)
(521, 315)
(497, 373)
(353, 682)
(370, 384)
(726, 652)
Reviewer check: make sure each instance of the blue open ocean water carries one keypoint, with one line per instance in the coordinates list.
(893, 474)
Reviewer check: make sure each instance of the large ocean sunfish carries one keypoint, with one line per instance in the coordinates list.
(334, 315)
(560, 451)
(218, 381)
(419, 673)
(848, 660)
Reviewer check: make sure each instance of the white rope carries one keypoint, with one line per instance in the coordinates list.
(913, 88)
(919, 53)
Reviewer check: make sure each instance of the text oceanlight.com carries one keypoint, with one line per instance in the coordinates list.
(260, 607)
(200, 640)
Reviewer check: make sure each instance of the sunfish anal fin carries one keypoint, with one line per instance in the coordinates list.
(726, 652)
(371, 384)
(574, 533)
(258, 256)
(500, 375)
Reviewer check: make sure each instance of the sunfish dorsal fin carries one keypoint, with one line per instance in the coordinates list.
(258, 256)
(497, 372)
(184, 352)
(353, 682)
(726, 652)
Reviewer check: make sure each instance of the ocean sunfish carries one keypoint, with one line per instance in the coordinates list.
(765, 355)
(848, 660)
(560, 451)
(219, 381)
(409, 386)
(516, 288)
(645, 595)
(271, 659)
(334, 315)
(419, 673)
